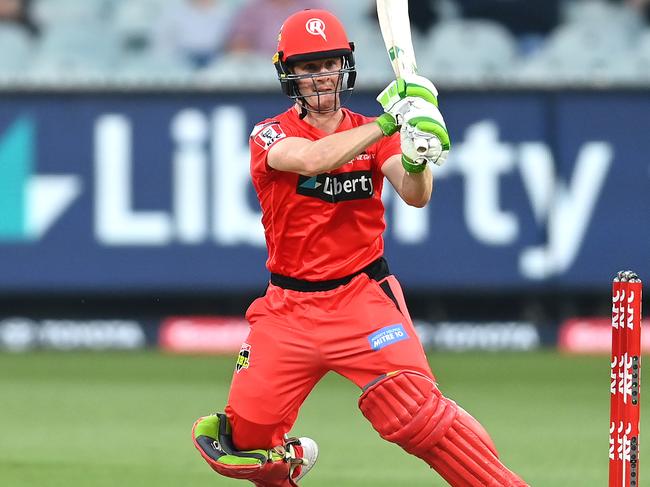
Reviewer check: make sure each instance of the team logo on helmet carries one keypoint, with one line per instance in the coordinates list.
(316, 27)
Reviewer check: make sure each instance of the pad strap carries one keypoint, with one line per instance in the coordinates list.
(407, 408)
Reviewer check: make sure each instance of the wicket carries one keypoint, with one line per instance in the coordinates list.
(625, 385)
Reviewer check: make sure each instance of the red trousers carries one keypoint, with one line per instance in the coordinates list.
(361, 330)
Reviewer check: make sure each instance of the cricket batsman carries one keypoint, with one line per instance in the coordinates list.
(332, 303)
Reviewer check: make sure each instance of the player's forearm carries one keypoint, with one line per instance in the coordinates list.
(333, 151)
(416, 188)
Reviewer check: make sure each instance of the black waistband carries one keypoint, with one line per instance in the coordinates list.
(376, 270)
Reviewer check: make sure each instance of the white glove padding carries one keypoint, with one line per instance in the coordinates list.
(421, 147)
(411, 87)
(424, 136)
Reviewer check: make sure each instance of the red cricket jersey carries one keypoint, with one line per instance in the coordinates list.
(327, 226)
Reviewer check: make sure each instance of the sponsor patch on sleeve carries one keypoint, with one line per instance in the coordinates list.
(267, 134)
(387, 336)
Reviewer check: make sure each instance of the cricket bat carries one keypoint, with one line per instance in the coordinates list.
(396, 30)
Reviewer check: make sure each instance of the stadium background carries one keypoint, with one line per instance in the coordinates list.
(130, 241)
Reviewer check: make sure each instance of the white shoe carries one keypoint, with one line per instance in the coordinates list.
(309, 456)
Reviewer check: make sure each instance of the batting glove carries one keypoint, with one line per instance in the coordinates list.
(396, 97)
(424, 136)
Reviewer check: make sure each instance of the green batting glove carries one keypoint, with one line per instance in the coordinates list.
(397, 98)
(424, 137)
(387, 124)
(411, 166)
(414, 85)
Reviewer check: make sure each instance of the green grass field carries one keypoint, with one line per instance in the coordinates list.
(124, 419)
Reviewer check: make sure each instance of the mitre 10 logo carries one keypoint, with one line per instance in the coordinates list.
(354, 185)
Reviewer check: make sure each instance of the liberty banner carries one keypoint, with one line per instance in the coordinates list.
(108, 192)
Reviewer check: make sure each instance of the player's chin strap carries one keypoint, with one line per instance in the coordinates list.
(303, 110)
(277, 467)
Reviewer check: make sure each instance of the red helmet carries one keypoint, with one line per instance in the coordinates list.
(312, 34)
(308, 35)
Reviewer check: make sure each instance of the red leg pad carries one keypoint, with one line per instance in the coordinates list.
(407, 408)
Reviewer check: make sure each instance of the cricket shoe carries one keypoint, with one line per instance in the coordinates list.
(309, 455)
(282, 466)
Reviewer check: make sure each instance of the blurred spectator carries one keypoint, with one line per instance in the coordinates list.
(642, 7)
(423, 15)
(530, 21)
(18, 12)
(192, 29)
(521, 17)
(256, 26)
